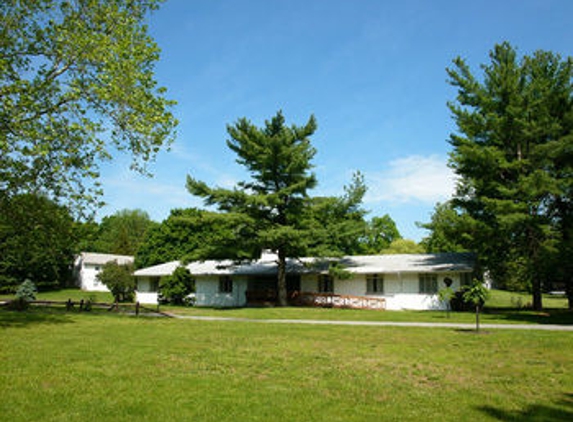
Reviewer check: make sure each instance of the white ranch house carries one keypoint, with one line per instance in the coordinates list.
(89, 264)
(397, 281)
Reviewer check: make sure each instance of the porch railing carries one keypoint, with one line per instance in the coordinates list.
(330, 300)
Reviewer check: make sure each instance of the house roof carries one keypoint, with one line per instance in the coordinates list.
(366, 264)
(103, 258)
(410, 263)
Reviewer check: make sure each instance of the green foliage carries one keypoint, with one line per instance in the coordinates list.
(36, 242)
(380, 233)
(336, 224)
(76, 83)
(278, 160)
(477, 295)
(403, 246)
(26, 291)
(123, 232)
(512, 153)
(189, 234)
(446, 295)
(119, 280)
(450, 230)
(176, 288)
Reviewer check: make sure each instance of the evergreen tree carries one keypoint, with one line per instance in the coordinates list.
(278, 159)
(450, 230)
(337, 223)
(508, 125)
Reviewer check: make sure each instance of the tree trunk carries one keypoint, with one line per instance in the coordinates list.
(281, 281)
(569, 292)
(537, 297)
(533, 246)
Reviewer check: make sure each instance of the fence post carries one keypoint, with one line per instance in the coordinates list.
(136, 308)
(69, 305)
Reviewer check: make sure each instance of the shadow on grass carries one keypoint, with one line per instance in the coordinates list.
(20, 319)
(548, 316)
(561, 410)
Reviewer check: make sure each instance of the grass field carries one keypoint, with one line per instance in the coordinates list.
(77, 367)
(501, 308)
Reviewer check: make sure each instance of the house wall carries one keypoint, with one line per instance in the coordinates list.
(207, 293)
(145, 291)
(401, 290)
(87, 278)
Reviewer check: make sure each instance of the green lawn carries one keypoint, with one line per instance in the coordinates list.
(74, 294)
(502, 308)
(77, 367)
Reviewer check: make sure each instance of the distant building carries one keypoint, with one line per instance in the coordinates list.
(89, 264)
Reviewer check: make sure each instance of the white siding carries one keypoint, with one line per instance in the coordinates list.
(88, 280)
(145, 291)
(401, 291)
(208, 293)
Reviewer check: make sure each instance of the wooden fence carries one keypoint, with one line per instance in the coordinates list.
(87, 305)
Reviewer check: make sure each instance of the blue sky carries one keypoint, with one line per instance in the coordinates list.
(372, 72)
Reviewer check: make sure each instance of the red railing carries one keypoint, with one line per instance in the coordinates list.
(330, 300)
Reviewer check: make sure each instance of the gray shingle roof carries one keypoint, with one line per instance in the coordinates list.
(367, 264)
(93, 258)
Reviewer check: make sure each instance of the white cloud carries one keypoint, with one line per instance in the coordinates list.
(412, 179)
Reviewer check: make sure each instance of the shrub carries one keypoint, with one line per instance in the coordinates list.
(177, 287)
(119, 280)
(25, 293)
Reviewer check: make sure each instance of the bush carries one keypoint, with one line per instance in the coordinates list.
(460, 302)
(119, 280)
(175, 289)
(25, 293)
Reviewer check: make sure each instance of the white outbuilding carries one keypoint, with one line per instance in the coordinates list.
(89, 264)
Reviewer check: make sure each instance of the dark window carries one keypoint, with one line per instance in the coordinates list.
(154, 285)
(325, 283)
(466, 279)
(374, 283)
(225, 284)
(428, 283)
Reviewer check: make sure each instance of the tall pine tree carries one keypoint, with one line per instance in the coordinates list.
(509, 124)
(278, 159)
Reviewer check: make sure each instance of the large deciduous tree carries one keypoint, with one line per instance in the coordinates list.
(123, 232)
(36, 242)
(76, 83)
(512, 152)
(278, 159)
(381, 232)
(189, 234)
